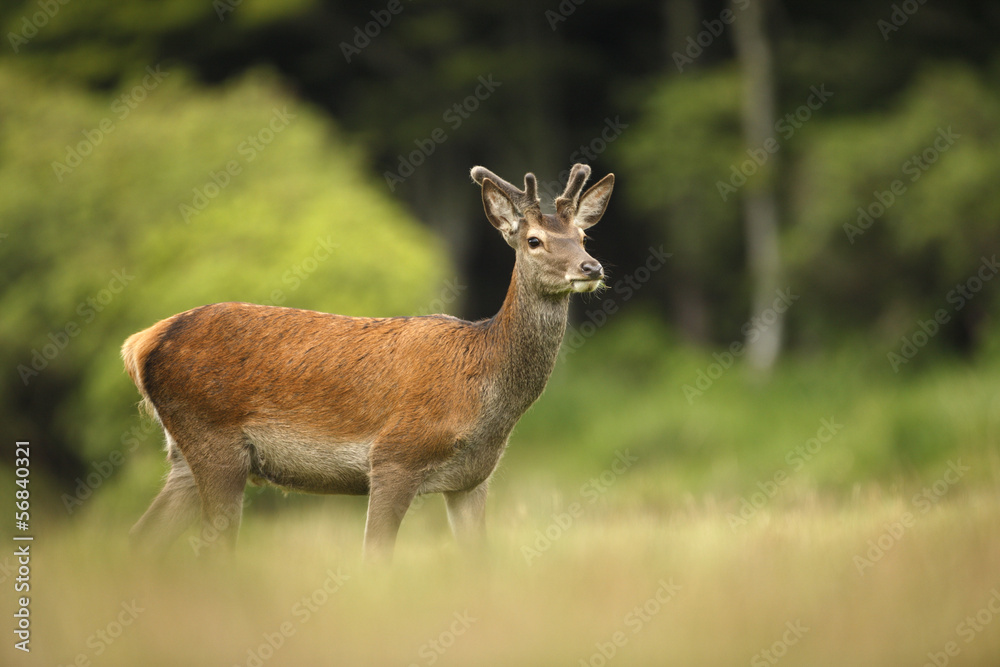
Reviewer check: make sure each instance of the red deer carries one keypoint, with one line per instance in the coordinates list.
(389, 407)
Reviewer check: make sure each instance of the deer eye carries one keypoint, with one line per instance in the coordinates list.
(534, 242)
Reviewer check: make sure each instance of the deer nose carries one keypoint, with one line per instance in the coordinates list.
(592, 269)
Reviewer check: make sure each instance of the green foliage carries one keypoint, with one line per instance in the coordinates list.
(892, 211)
(119, 213)
(688, 137)
(700, 423)
(104, 41)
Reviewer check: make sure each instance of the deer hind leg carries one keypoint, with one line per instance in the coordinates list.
(220, 463)
(467, 514)
(210, 470)
(174, 509)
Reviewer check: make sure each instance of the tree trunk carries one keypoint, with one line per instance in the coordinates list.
(760, 208)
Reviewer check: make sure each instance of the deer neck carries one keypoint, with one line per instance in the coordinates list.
(526, 335)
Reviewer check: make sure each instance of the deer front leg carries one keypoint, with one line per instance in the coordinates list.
(391, 491)
(467, 514)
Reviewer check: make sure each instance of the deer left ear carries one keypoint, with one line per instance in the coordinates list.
(500, 209)
(594, 202)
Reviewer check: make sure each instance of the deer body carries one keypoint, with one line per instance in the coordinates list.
(389, 407)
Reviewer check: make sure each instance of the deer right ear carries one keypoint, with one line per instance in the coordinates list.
(500, 209)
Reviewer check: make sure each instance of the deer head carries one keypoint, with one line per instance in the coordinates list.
(550, 248)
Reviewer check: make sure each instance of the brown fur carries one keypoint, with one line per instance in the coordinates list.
(389, 407)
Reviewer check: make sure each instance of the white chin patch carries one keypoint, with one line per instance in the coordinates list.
(584, 285)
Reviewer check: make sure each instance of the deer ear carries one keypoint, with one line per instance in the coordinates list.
(500, 209)
(593, 203)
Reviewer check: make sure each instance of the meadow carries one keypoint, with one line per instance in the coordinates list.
(807, 581)
(832, 515)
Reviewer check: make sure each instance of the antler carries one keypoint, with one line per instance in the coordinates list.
(567, 202)
(524, 200)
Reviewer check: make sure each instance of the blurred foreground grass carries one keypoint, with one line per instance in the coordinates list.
(642, 585)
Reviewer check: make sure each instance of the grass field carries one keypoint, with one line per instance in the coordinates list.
(568, 579)
(839, 514)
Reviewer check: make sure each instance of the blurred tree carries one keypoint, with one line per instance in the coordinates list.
(683, 172)
(687, 139)
(760, 206)
(895, 215)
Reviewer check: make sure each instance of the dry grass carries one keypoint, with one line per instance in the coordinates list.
(738, 590)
